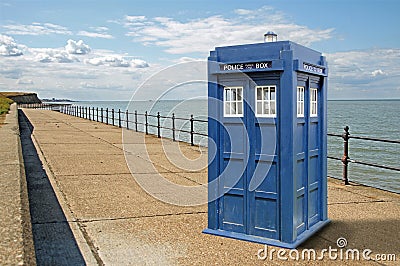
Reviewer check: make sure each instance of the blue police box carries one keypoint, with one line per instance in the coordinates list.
(267, 131)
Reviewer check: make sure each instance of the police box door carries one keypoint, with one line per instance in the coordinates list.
(248, 181)
(263, 183)
(234, 147)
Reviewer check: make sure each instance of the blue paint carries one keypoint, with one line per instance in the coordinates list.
(267, 174)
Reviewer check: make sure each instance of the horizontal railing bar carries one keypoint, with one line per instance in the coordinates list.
(375, 165)
(201, 134)
(375, 139)
(366, 138)
(181, 118)
(200, 120)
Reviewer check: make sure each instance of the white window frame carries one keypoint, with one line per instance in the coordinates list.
(238, 102)
(300, 101)
(265, 102)
(313, 102)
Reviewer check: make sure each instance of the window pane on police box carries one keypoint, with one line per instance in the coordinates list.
(259, 94)
(273, 111)
(233, 108)
(266, 94)
(259, 108)
(235, 93)
(228, 93)
(272, 93)
(266, 108)
(239, 94)
(227, 108)
(240, 108)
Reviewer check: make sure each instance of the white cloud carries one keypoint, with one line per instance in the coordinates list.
(202, 35)
(8, 46)
(24, 82)
(36, 29)
(63, 72)
(95, 35)
(364, 73)
(108, 61)
(78, 47)
(116, 61)
(377, 72)
(135, 18)
(47, 55)
(97, 32)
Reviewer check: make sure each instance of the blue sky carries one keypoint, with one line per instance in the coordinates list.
(103, 50)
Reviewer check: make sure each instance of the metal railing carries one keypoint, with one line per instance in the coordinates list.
(142, 121)
(345, 159)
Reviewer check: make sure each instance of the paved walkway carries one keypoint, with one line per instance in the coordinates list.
(86, 206)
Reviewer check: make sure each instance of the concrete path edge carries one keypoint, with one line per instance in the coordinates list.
(16, 241)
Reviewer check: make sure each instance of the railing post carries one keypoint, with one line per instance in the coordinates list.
(173, 126)
(136, 120)
(90, 110)
(119, 118)
(127, 120)
(158, 125)
(191, 130)
(86, 112)
(102, 115)
(112, 112)
(97, 114)
(345, 159)
(107, 115)
(145, 123)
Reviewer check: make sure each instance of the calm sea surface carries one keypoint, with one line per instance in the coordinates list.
(379, 119)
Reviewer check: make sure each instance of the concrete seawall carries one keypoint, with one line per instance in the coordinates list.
(16, 244)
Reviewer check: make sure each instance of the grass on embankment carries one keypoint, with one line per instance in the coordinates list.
(4, 104)
(4, 107)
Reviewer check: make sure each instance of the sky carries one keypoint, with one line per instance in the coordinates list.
(105, 50)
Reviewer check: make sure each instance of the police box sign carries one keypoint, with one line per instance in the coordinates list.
(313, 68)
(245, 66)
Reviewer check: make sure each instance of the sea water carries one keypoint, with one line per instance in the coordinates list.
(372, 118)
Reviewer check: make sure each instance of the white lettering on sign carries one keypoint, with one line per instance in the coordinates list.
(245, 66)
(313, 68)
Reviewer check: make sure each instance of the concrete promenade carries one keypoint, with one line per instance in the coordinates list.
(87, 208)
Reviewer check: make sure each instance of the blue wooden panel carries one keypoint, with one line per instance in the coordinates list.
(300, 174)
(266, 218)
(299, 214)
(313, 136)
(232, 177)
(313, 170)
(265, 138)
(234, 137)
(233, 213)
(313, 206)
(300, 138)
(268, 172)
